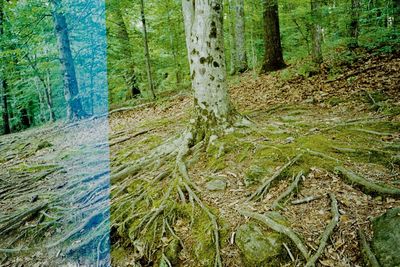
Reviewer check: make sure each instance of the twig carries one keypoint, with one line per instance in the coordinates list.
(305, 200)
(327, 233)
(278, 228)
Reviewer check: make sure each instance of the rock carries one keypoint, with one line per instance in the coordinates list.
(216, 185)
(258, 247)
(386, 239)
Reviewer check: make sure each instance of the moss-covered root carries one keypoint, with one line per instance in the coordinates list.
(280, 229)
(327, 233)
(263, 189)
(369, 257)
(366, 186)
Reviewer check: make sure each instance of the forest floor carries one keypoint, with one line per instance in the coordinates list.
(59, 173)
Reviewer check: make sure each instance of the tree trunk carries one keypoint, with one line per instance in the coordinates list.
(273, 58)
(49, 99)
(353, 29)
(174, 48)
(396, 15)
(205, 45)
(147, 52)
(4, 85)
(241, 55)
(232, 43)
(71, 90)
(316, 51)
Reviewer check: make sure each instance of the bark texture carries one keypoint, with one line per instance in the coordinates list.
(71, 89)
(316, 31)
(354, 24)
(4, 85)
(147, 52)
(241, 55)
(273, 58)
(205, 45)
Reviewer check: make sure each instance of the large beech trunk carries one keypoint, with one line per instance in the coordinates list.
(241, 55)
(205, 45)
(71, 89)
(273, 58)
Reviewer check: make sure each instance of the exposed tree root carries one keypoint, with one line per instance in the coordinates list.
(280, 229)
(327, 233)
(368, 255)
(305, 200)
(366, 186)
(288, 191)
(263, 189)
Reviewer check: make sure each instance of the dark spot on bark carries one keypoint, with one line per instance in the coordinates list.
(193, 74)
(191, 61)
(215, 64)
(212, 78)
(202, 60)
(202, 71)
(209, 44)
(217, 7)
(217, 48)
(213, 32)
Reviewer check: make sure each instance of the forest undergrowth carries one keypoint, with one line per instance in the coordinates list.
(319, 160)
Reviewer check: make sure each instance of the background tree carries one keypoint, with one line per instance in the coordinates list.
(316, 51)
(147, 52)
(71, 89)
(241, 55)
(273, 57)
(4, 85)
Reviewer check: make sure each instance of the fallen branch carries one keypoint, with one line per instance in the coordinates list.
(260, 192)
(280, 229)
(368, 256)
(353, 74)
(305, 200)
(288, 191)
(327, 233)
(366, 186)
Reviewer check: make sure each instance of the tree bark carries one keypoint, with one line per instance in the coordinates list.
(4, 85)
(273, 58)
(205, 45)
(232, 43)
(71, 89)
(147, 52)
(316, 31)
(241, 55)
(354, 24)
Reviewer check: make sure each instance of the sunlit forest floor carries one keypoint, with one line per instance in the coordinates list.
(55, 175)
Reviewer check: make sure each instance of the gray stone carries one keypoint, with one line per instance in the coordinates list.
(258, 247)
(216, 185)
(386, 239)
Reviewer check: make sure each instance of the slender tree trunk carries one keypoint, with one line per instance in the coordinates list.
(174, 49)
(273, 58)
(71, 89)
(232, 43)
(241, 55)
(147, 52)
(353, 29)
(316, 51)
(4, 85)
(396, 15)
(49, 100)
(205, 45)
